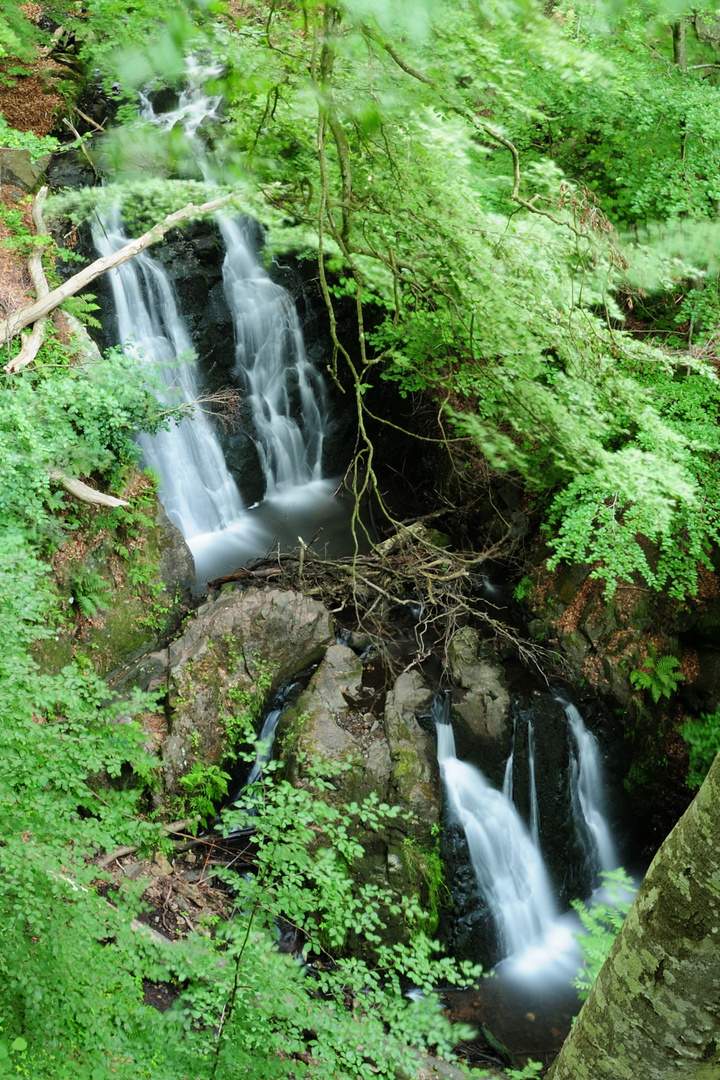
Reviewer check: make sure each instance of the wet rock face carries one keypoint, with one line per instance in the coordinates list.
(562, 851)
(481, 705)
(312, 727)
(467, 929)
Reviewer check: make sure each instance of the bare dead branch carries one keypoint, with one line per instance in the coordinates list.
(84, 492)
(32, 342)
(31, 312)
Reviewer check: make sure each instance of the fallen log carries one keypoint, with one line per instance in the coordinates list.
(24, 316)
(84, 492)
(32, 342)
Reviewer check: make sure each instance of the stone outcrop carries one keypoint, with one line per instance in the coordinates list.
(481, 704)
(389, 756)
(17, 168)
(244, 643)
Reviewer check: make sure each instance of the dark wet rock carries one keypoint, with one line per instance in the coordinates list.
(177, 566)
(70, 169)
(467, 929)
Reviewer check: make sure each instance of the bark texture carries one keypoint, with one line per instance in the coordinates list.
(654, 1011)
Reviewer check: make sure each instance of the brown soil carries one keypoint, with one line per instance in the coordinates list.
(31, 103)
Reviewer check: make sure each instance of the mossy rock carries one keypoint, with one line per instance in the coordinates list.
(123, 584)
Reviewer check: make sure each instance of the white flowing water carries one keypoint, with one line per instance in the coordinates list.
(588, 794)
(508, 788)
(198, 492)
(508, 866)
(534, 809)
(265, 744)
(286, 394)
(287, 400)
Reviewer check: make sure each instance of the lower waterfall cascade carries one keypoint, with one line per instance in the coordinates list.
(505, 852)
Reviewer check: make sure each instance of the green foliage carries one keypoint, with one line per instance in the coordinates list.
(529, 1072)
(523, 589)
(658, 675)
(248, 704)
(205, 786)
(38, 145)
(601, 922)
(89, 591)
(82, 308)
(703, 738)
(144, 202)
(428, 865)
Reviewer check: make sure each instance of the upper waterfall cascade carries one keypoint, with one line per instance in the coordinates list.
(287, 401)
(198, 492)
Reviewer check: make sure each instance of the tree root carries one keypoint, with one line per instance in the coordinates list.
(439, 589)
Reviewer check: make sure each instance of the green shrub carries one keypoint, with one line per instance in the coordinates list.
(601, 922)
(38, 145)
(703, 739)
(658, 675)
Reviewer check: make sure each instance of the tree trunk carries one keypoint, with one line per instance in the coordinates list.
(654, 1011)
(679, 54)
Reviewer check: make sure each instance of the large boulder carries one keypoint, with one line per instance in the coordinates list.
(481, 704)
(17, 168)
(242, 645)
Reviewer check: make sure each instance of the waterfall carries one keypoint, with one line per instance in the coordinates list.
(265, 743)
(197, 490)
(587, 795)
(286, 397)
(270, 360)
(508, 866)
